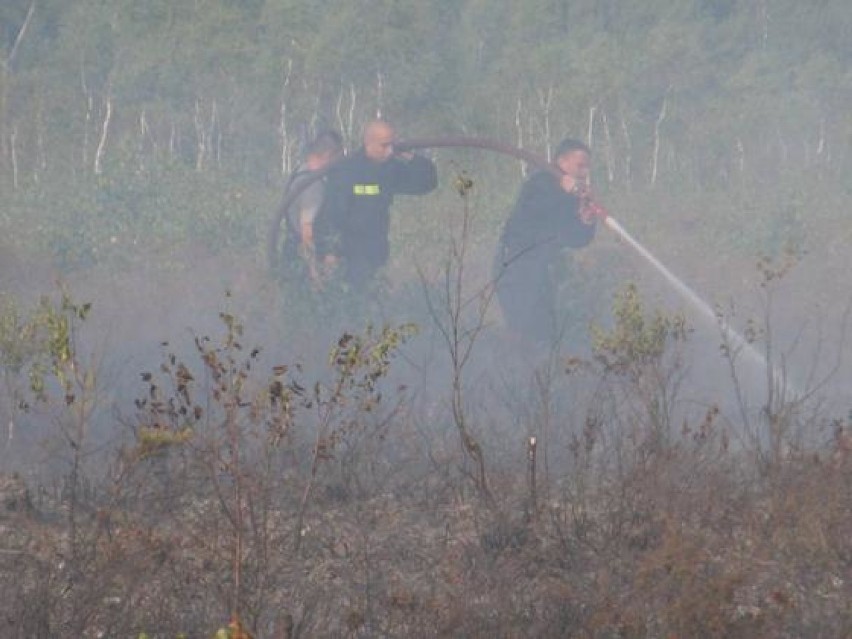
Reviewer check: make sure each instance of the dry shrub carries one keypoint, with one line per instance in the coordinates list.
(640, 529)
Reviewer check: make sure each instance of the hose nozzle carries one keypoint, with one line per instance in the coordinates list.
(590, 209)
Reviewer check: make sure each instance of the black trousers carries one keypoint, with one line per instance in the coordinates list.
(527, 292)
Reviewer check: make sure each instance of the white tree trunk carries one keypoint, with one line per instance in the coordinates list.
(172, 141)
(821, 144)
(763, 17)
(215, 134)
(99, 153)
(591, 130)
(200, 137)
(20, 36)
(14, 153)
(41, 155)
(140, 142)
(608, 155)
(283, 132)
(350, 125)
(313, 126)
(655, 158)
(87, 121)
(284, 137)
(338, 112)
(346, 123)
(545, 98)
(628, 150)
(380, 90)
(740, 156)
(519, 127)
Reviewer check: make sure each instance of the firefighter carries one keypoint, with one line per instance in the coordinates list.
(299, 250)
(549, 215)
(354, 220)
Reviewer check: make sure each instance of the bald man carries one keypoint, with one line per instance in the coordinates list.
(352, 225)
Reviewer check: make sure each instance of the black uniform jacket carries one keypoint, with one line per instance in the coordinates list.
(354, 219)
(545, 220)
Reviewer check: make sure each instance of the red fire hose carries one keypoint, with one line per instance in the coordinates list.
(589, 206)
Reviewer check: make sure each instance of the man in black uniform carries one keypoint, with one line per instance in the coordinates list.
(547, 218)
(353, 222)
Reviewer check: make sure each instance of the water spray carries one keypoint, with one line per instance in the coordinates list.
(733, 340)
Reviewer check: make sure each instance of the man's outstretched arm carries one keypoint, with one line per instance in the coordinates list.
(414, 175)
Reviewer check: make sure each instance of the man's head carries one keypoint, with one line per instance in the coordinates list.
(572, 157)
(325, 148)
(379, 138)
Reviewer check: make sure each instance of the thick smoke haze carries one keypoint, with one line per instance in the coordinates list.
(448, 476)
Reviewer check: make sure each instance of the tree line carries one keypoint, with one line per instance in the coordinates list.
(694, 94)
(687, 89)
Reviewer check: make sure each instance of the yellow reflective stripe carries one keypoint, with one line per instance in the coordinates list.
(366, 189)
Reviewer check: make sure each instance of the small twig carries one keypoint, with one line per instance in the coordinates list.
(531, 455)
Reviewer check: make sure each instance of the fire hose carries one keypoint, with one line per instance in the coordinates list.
(588, 205)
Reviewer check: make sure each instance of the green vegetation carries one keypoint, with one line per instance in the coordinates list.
(125, 126)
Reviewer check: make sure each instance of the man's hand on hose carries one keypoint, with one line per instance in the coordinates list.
(590, 210)
(569, 184)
